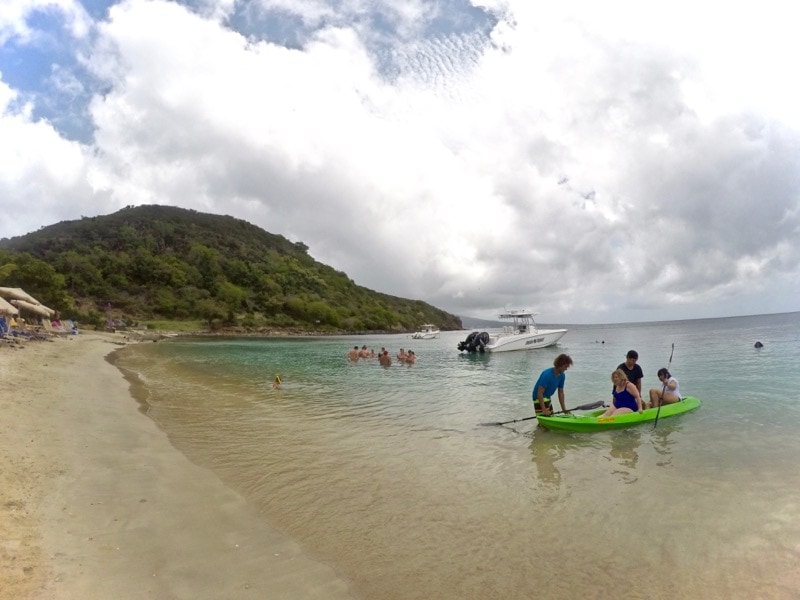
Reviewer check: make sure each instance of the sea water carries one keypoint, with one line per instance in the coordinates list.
(388, 474)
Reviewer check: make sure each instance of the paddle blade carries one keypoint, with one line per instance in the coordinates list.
(512, 421)
(590, 406)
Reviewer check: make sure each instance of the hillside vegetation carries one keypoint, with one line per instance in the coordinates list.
(156, 263)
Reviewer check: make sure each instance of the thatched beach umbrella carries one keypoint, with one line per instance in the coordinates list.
(17, 294)
(7, 309)
(20, 295)
(49, 310)
(34, 308)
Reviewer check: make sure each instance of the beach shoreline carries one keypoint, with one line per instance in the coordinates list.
(95, 502)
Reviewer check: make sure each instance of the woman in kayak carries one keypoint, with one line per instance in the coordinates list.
(626, 396)
(668, 393)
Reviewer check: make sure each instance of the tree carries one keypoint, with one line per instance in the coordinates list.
(210, 311)
(41, 281)
(6, 270)
(162, 261)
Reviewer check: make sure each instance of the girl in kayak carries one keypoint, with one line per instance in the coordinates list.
(668, 393)
(626, 396)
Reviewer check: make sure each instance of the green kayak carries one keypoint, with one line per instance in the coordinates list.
(594, 422)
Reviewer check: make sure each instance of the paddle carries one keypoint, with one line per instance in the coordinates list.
(664, 388)
(597, 404)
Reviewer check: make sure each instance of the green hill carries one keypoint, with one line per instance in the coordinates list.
(151, 263)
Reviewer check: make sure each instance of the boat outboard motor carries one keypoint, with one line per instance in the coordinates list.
(475, 342)
(481, 341)
(465, 345)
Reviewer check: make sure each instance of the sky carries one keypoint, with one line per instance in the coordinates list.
(595, 162)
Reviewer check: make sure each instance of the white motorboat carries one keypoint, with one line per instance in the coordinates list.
(427, 332)
(522, 334)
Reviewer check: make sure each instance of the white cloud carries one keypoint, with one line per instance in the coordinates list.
(593, 162)
(43, 178)
(14, 16)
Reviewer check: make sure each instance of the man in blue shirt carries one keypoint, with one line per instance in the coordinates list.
(550, 381)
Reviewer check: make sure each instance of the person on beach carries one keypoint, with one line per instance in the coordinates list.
(401, 356)
(363, 353)
(276, 384)
(551, 380)
(353, 354)
(384, 359)
(626, 397)
(632, 369)
(668, 393)
(410, 357)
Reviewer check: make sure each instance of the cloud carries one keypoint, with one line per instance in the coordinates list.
(14, 19)
(587, 162)
(43, 177)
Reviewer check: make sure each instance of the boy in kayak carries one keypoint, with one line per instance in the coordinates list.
(632, 369)
(551, 380)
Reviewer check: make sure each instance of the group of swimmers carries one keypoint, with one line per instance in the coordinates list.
(407, 357)
(626, 392)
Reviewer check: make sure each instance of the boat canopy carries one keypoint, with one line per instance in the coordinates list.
(517, 314)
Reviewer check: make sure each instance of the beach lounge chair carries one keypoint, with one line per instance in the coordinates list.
(48, 328)
(9, 335)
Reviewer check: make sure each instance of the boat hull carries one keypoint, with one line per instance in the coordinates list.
(593, 421)
(428, 332)
(524, 341)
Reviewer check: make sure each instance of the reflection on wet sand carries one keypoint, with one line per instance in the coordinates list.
(547, 448)
(663, 445)
(620, 449)
(625, 446)
(624, 449)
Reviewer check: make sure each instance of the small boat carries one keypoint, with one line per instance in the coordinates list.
(594, 421)
(427, 332)
(522, 334)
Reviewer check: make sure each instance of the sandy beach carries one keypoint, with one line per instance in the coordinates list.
(96, 503)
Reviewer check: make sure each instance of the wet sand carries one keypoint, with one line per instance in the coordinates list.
(96, 503)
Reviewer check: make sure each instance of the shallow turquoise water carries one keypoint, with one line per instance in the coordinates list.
(388, 475)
